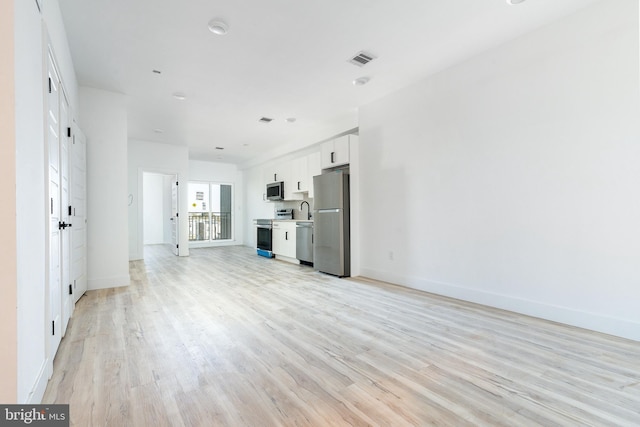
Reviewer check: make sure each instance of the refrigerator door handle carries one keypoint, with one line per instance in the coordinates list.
(327, 210)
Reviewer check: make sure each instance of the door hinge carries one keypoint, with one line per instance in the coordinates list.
(53, 327)
(177, 246)
(49, 84)
(52, 206)
(68, 132)
(70, 289)
(177, 214)
(70, 210)
(176, 183)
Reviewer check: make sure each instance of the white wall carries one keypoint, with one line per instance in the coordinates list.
(104, 121)
(512, 179)
(223, 173)
(153, 200)
(144, 156)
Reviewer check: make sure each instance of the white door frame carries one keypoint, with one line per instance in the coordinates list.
(66, 296)
(175, 208)
(79, 203)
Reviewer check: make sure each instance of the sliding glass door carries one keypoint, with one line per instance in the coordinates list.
(210, 211)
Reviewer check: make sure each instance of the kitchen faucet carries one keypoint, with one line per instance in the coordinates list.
(308, 209)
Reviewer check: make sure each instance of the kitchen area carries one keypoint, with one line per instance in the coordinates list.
(310, 199)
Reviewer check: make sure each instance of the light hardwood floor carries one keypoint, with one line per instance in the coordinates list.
(227, 338)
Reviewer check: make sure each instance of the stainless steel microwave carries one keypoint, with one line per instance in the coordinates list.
(275, 191)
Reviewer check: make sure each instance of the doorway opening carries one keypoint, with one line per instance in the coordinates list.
(159, 210)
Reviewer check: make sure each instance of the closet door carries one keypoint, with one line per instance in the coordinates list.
(55, 221)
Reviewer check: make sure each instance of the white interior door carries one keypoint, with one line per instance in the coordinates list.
(78, 212)
(53, 143)
(175, 242)
(65, 212)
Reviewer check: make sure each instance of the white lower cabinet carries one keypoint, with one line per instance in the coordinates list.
(284, 239)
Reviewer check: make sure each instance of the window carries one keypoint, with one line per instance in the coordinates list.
(210, 210)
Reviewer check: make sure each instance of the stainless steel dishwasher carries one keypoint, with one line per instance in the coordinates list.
(304, 242)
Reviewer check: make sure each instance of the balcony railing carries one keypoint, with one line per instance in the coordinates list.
(205, 226)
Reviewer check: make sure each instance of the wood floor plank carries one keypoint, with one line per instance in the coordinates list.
(227, 338)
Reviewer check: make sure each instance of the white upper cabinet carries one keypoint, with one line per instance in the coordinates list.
(297, 174)
(277, 172)
(283, 172)
(300, 179)
(303, 171)
(313, 169)
(335, 152)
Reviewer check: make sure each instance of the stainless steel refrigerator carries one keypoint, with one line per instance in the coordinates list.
(331, 248)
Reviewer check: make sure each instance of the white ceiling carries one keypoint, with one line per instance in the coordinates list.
(280, 59)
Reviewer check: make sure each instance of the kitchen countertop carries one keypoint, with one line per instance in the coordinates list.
(293, 220)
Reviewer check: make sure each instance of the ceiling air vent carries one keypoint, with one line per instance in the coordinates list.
(362, 58)
(265, 120)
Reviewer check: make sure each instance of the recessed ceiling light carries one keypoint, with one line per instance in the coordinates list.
(158, 130)
(218, 27)
(290, 119)
(512, 2)
(361, 81)
(179, 96)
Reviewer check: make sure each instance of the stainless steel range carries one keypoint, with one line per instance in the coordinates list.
(264, 230)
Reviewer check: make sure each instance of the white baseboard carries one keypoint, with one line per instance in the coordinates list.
(593, 321)
(135, 257)
(212, 244)
(108, 282)
(37, 391)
